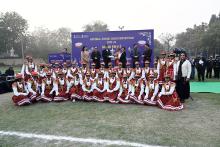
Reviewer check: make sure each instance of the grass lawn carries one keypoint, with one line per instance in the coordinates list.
(197, 125)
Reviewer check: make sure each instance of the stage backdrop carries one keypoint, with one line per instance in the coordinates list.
(113, 39)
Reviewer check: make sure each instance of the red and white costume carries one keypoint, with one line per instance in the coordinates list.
(161, 67)
(171, 68)
(100, 89)
(76, 89)
(20, 96)
(168, 98)
(151, 92)
(113, 85)
(124, 91)
(137, 90)
(48, 87)
(34, 87)
(61, 89)
(87, 87)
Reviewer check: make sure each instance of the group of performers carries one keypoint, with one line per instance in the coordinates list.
(145, 86)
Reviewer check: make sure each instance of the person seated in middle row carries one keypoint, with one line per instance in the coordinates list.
(168, 98)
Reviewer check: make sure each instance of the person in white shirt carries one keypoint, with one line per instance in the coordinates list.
(182, 75)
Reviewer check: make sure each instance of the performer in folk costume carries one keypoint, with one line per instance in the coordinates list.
(171, 66)
(137, 89)
(48, 88)
(146, 70)
(27, 68)
(93, 71)
(34, 87)
(61, 88)
(124, 90)
(100, 88)
(120, 70)
(102, 69)
(154, 70)
(73, 70)
(65, 68)
(42, 71)
(129, 71)
(87, 87)
(151, 90)
(20, 96)
(76, 89)
(113, 85)
(168, 98)
(30, 66)
(109, 70)
(83, 70)
(56, 70)
(137, 70)
(161, 67)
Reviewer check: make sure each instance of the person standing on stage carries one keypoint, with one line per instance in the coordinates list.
(106, 53)
(135, 55)
(85, 56)
(96, 55)
(117, 56)
(123, 58)
(183, 73)
(147, 53)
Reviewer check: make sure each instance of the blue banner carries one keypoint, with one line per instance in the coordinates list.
(113, 39)
(59, 57)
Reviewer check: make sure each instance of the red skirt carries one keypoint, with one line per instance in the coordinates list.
(170, 102)
(76, 92)
(99, 96)
(135, 99)
(112, 96)
(62, 96)
(148, 101)
(21, 100)
(161, 75)
(32, 97)
(88, 96)
(47, 97)
(122, 98)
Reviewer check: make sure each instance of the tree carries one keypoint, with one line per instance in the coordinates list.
(167, 40)
(191, 40)
(43, 41)
(12, 29)
(97, 26)
(157, 47)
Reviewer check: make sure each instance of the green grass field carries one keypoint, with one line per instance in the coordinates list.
(197, 125)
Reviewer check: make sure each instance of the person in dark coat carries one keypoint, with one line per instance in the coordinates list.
(106, 53)
(10, 71)
(135, 54)
(147, 53)
(216, 67)
(123, 59)
(209, 67)
(95, 56)
(200, 66)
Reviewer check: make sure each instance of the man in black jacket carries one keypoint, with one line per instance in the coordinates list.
(123, 59)
(106, 53)
(209, 67)
(96, 55)
(135, 54)
(147, 53)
